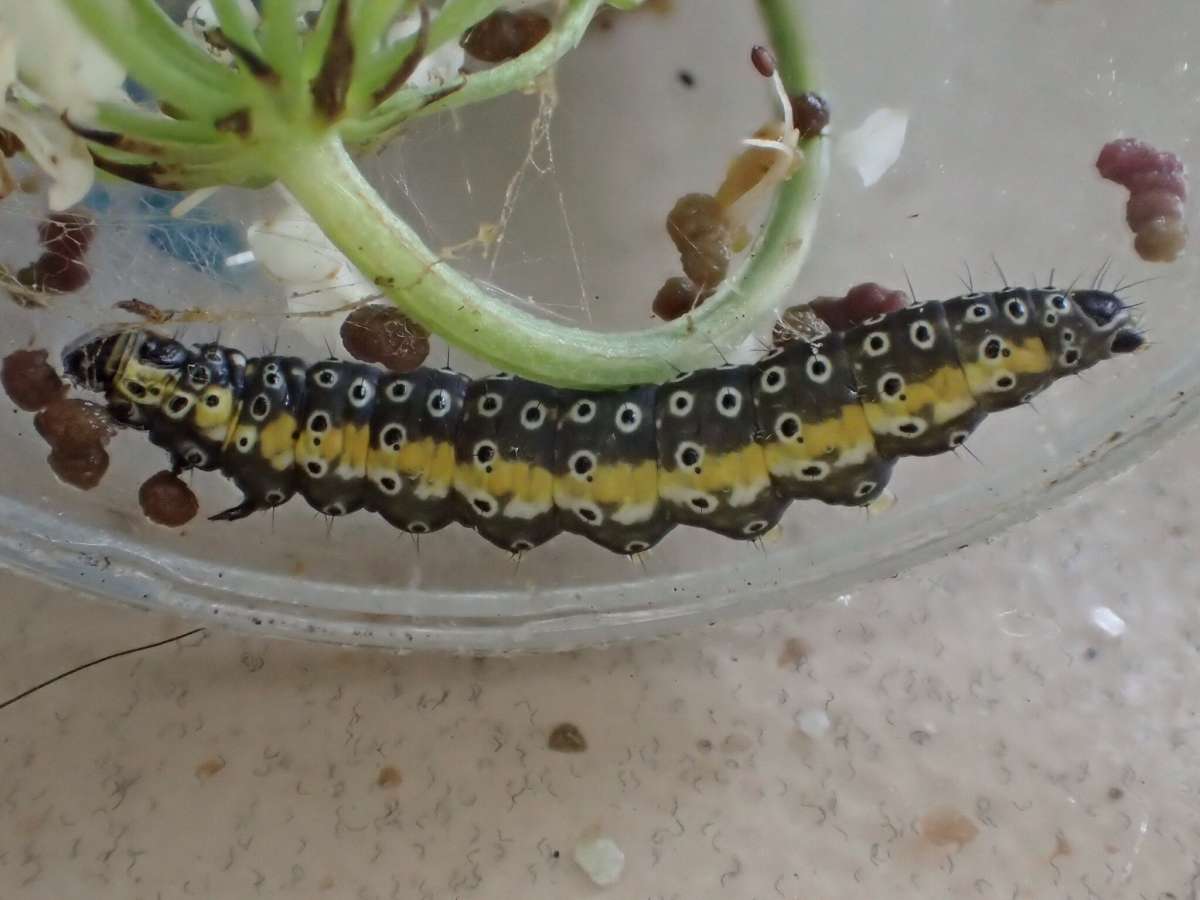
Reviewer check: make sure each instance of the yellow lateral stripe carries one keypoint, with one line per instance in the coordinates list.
(439, 470)
(746, 467)
(412, 459)
(232, 424)
(330, 448)
(276, 438)
(205, 417)
(945, 392)
(1027, 358)
(356, 446)
(613, 484)
(522, 481)
(849, 431)
(147, 377)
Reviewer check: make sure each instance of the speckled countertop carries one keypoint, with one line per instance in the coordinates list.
(1018, 721)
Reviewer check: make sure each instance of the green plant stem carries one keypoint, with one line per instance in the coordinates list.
(413, 103)
(314, 165)
(155, 52)
(235, 25)
(325, 181)
(451, 21)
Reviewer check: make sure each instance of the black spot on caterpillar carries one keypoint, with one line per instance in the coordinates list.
(725, 449)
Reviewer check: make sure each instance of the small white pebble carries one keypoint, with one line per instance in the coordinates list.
(814, 722)
(601, 858)
(1108, 621)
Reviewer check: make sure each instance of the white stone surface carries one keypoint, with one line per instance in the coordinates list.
(601, 858)
(985, 741)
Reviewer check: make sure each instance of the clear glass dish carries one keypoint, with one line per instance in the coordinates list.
(1007, 106)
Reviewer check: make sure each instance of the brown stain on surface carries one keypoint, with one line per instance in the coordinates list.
(389, 776)
(210, 767)
(794, 654)
(1062, 847)
(943, 827)
(567, 738)
(736, 743)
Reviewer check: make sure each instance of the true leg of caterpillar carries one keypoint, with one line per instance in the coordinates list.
(245, 508)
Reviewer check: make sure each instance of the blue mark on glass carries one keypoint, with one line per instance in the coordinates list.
(97, 199)
(199, 239)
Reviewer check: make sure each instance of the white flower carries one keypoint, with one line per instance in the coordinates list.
(57, 59)
(291, 247)
(50, 66)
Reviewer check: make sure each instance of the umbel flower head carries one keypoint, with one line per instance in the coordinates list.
(276, 91)
(50, 68)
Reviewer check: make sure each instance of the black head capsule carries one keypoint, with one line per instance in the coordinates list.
(1099, 306)
(1127, 341)
(90, 361)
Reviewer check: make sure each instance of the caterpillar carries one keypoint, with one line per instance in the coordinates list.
(725, 449)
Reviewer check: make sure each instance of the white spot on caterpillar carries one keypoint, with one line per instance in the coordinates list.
(388, 481)
(947, 410)
(681, 403)
(634, 513)
(430, 490)
(697, 501)
(746, 494)
(877, 343)
(526, 509)
(855, 455)
(773, 380)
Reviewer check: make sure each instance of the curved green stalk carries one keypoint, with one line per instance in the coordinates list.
(330, 187)
(325, 181)
(413, 103)
(139, 34)
(452, 20)
(272, 130)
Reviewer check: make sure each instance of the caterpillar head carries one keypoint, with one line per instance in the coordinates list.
(135, 369)
(1111, 319)
(1082, 328)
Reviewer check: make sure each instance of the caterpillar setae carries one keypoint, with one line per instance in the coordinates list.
(725, 449)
